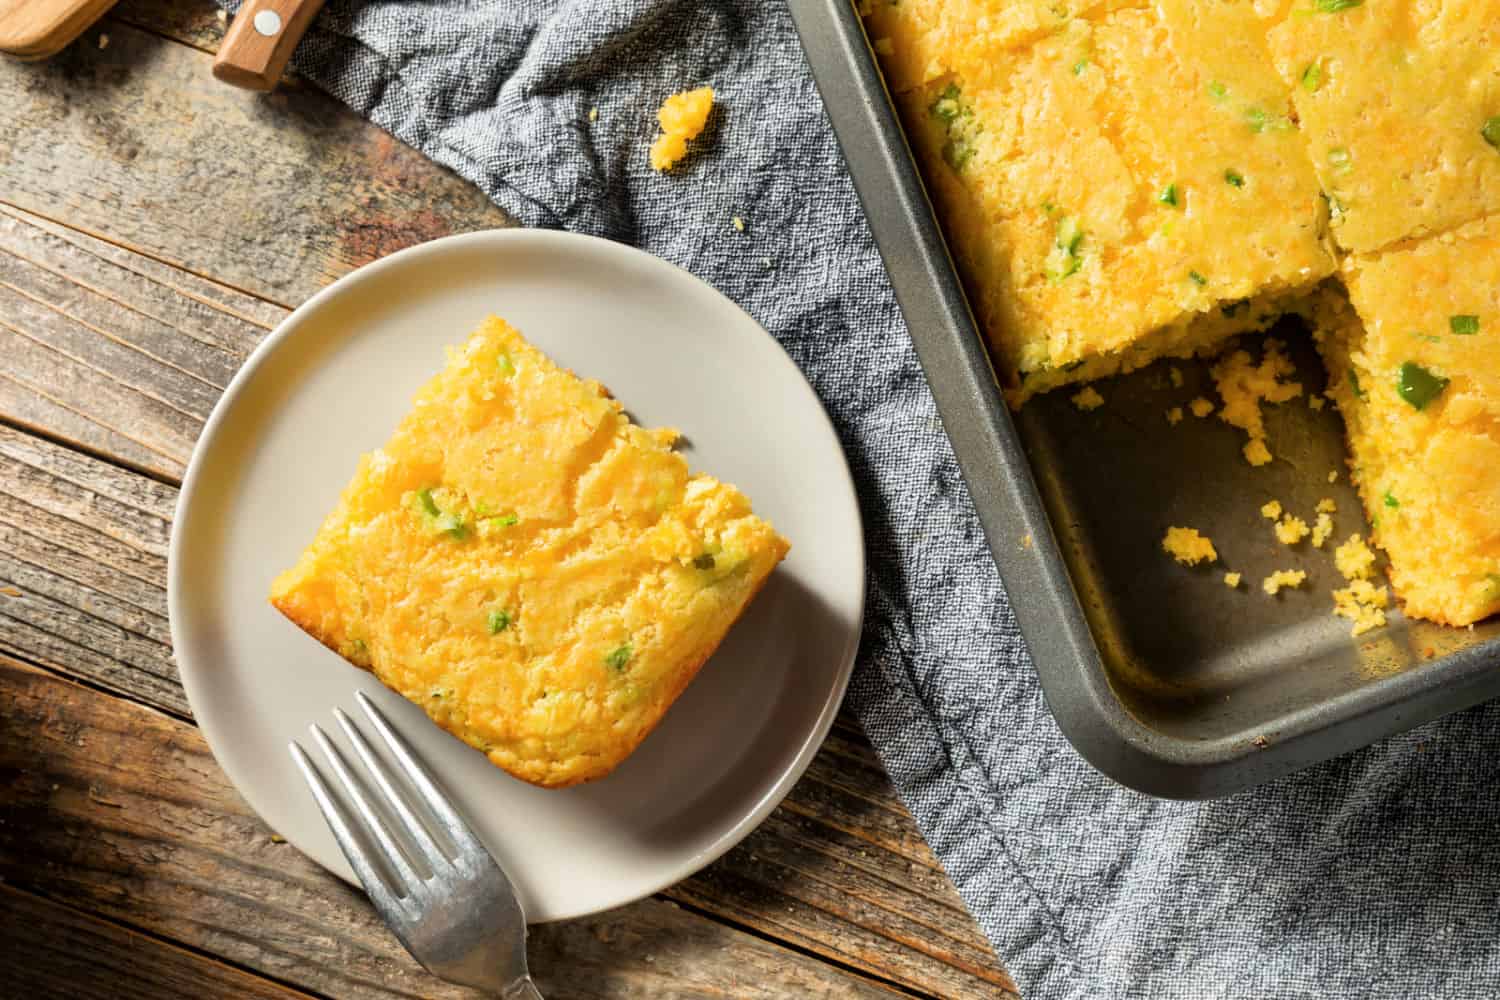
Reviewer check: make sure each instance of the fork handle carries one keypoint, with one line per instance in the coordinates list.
(521, 989)
(258, 44)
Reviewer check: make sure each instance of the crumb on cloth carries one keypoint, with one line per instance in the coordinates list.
(682, 117)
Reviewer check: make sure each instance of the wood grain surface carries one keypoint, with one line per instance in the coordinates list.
(134, 280)
(122, 811)
(52, 950)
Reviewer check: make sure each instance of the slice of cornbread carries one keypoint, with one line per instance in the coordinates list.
(1417, 376)
(1400, 104)
(1129, 186)
(541, 575)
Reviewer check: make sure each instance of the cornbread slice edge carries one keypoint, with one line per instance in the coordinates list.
(1415, 368)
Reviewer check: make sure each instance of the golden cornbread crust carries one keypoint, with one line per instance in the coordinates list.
(541, 575)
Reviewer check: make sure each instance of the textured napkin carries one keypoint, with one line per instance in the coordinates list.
(1373, 876)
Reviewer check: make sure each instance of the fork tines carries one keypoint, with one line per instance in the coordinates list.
(399, 878)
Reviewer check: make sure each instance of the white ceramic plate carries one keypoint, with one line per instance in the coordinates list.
(332, 382)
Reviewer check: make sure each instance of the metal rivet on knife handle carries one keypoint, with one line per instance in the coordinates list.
(261, 39)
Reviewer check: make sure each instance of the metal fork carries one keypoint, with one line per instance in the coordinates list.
(454, 909)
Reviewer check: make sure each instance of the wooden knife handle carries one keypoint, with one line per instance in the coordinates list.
(260, 41)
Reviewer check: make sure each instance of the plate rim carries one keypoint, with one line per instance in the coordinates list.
(195, 686)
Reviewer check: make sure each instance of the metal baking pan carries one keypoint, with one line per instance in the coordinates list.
(1163, 678)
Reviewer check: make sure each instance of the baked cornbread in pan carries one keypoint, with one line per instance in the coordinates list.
(1400, 108)
(1126, 185)
(1415, 368)
(538, 573)
(1122, 180)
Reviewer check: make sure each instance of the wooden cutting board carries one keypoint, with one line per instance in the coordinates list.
(35, 29)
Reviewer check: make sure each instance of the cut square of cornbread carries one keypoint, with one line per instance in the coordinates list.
(1400, 104)
(541, 575)
(1416, 374)
(1127, 187)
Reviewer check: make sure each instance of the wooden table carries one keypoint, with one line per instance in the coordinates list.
(154, 225)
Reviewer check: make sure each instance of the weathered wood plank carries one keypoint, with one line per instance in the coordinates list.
(103, 354)
(196, 22)
(122, 810)
(839, 869)
(69, 308)
(54, 951)
(83, 561)
(160, 431)
(196, 306)
(277, 194)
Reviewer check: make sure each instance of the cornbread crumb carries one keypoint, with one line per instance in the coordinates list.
(682, 117)
(1291, 530)
(593, 114)
(1231, 580)
(1322, 530)
(1175, 374)
(1201, 407)
(1174, 416)
(1362, 603)
(1244, 385)
(1354, 559)
(1327, 506)
(1087, 399)
(1188, 547)
(1316, 402)
(739, 223)
(1283, 579)
(1272, 510)
(1333, 475)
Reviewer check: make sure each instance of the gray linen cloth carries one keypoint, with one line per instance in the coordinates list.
(1372, 876)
